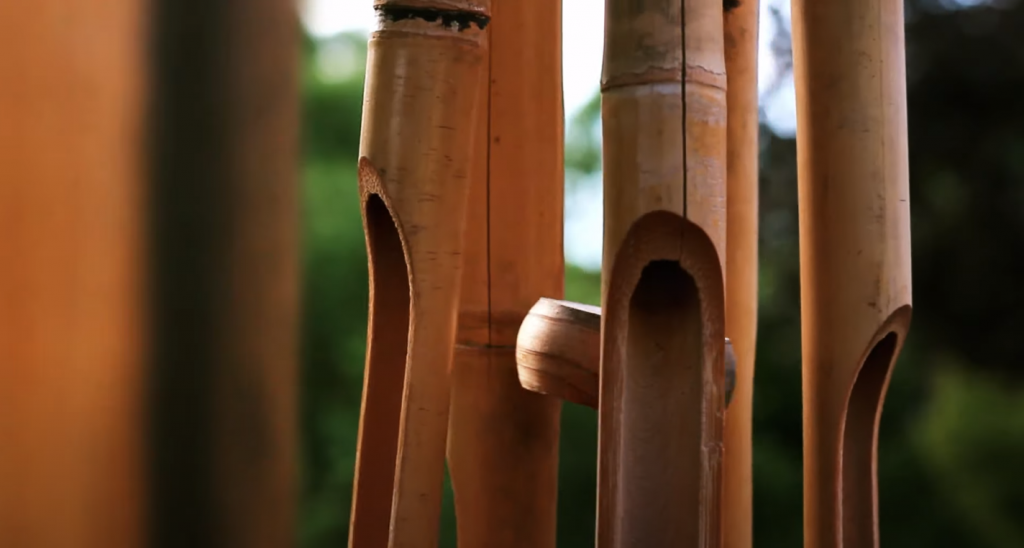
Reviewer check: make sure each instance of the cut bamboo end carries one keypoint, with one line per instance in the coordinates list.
(662, 348)
(417, 142)
(559, 348)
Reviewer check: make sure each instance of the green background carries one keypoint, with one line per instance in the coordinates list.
(952, 433)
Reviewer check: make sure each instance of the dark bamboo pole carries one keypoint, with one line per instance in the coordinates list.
(425, 69)
(225, 272)
(741, 266)
(503, 445)
(71, 274)
(854, 251)
(662, 360)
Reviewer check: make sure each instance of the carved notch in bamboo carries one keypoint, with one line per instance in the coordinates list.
(850, 74)
(503, 440)
(425, 68)
(662, 360)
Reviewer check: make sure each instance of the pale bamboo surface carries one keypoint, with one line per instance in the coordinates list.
(503, 440)
(424, 73)
(662, 370)
(741, 25)
(71, 276)
(850, 73)
(223, 240)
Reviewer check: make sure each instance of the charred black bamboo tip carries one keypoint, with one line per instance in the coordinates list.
(558, 352)
(458, 20)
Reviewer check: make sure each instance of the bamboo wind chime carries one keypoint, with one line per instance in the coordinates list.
(470, 351)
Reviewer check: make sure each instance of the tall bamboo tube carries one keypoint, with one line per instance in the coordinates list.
(503, 444)
(71, 274)
(854, 251)
(741, 267)
(424, 73)
(225, 273)
(662, 361)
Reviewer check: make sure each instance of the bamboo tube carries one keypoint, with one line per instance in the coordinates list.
(424, 72)
(854, 251)
(225, 273)
(71, 274)
(741, 267)
(662, 368)
(503, 444)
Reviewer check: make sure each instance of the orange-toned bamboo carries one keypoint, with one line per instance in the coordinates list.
(224, 244)
(424, 72)
(741, 267)
(662, 360)
(503, 445)
(854, 251)
(71, 314)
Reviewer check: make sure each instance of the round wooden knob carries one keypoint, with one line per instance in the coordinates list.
(558, 352)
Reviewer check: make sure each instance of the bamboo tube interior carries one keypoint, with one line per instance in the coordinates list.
(860, 445)
(664, 352)
(385, 378)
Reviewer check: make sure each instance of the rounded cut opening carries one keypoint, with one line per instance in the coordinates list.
(662, 402)
(859, 445)
(385, 376)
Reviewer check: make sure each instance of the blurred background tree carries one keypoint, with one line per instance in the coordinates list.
(951, 462)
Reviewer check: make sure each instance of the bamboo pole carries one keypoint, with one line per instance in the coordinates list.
(662, 361)
(424, 72)
(741, 266)
(854, 251)
(503, 444)
(71, 274)
(225, 273)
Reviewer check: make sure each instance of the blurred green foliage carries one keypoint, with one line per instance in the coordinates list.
(952, 435)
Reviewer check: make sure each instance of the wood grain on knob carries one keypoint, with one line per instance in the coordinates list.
(558, 352)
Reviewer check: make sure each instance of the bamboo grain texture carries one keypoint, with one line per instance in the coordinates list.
(741, 42)
(855, 269)
(663, 107)
(425, 69)
(503, 440)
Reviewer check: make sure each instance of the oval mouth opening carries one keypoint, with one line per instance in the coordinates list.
(860, 440)
(662, 393)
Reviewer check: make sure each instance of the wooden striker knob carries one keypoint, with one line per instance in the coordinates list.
(558, 352)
